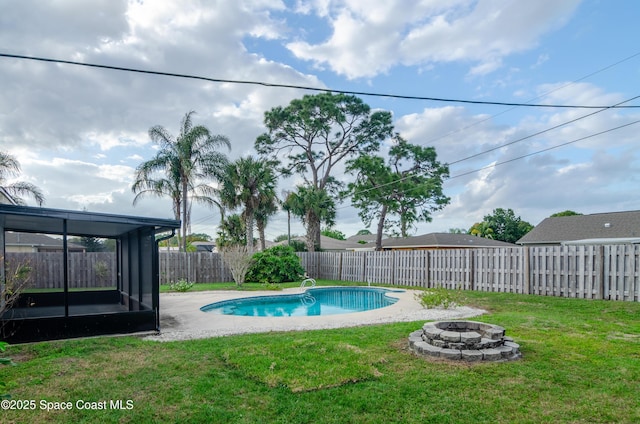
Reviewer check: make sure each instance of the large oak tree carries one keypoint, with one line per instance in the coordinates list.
(310, 136)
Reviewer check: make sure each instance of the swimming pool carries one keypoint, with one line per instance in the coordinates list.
(312, 302)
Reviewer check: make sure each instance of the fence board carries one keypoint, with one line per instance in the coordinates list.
(410, 268)
(198, 267)
(353, 266)
(621, 272)
(379, 268)
(450, 268)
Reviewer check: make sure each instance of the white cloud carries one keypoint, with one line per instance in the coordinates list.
(369, 38)
(91, 199)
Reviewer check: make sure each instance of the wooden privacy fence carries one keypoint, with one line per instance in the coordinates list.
(591, 272)
(86, 270)
(201, 267)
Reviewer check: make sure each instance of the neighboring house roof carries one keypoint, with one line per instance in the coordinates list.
(328, 243)
(439, 241)
(364, 237)
(599, 226)
(204, 246)
(621, 240)
(37, 240)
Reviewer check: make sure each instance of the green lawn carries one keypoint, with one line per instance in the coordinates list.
(164, 288)
(581, 364)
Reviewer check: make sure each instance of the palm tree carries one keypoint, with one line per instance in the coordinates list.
(231, 232)
(186, 161)
(10, 167)
(267, 208)
(146, 185)
(314, 206)
(249, 184)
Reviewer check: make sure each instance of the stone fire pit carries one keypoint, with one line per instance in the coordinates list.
(464, 340)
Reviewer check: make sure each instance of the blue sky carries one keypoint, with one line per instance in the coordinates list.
(79, 133)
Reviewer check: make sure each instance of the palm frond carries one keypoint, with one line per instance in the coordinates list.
(19, 189)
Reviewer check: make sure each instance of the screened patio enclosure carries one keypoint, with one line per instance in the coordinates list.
(66, 274)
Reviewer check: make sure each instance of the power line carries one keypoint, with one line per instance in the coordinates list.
(301, 87)
(539, 132)
(510, 160)
(534, 98)
(545, 150)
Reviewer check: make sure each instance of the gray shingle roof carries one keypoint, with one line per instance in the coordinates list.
(441, 240)
(31, 239)
(594, 226)
(328, 243)
(364, 237)
(34, 239)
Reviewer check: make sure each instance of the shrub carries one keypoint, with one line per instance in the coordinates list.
(17, 277)
(181, 286)
(439, 297)
(275, 265)
(239, 260)
(298, 246)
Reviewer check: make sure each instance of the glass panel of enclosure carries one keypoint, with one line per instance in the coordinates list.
(34, 269)
(93, 275)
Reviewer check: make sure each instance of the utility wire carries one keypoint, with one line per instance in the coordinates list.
(545, 150)
(503, 162)
(540, 132)
(431, 141)
(301, 87)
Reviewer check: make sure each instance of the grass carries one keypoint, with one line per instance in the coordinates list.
(165, 288)
(581, 364)
(73, 289)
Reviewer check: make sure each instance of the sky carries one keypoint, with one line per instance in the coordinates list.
(79, 133)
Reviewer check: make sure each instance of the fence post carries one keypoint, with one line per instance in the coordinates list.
(600, 264)
(427, 269)
(394, 267)
(472, 269)
(364, 267)
(527, 269)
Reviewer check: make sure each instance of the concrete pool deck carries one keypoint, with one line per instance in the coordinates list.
(182, 319)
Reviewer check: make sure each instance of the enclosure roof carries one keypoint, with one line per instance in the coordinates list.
(81, 223)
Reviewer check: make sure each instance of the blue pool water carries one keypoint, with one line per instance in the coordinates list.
(312, 302)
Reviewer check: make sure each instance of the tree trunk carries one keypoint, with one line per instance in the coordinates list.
(185, 220)
(263, 243)
(383, 216)
(403, 226)
(249, 232)
(177, 211)
(313, 233)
